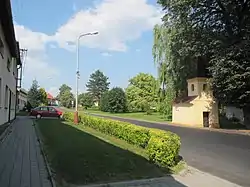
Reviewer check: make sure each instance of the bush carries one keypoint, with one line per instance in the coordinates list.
(104, 102)
(162, 147)
(68, 116)
(133, 134)
(117, 100)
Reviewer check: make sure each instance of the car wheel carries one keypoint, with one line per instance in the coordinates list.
(38, 116)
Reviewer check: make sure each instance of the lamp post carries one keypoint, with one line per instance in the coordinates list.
(76, 119)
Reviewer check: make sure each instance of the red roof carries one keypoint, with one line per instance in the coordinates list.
(49, 96)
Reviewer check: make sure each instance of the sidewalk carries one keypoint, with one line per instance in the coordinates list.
(21, 161)
(190, 178)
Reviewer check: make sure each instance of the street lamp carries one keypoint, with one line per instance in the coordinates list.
(76, 119)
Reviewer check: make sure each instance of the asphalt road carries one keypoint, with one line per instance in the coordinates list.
(224, 155)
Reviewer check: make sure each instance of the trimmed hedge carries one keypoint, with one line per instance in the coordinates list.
(162, 147)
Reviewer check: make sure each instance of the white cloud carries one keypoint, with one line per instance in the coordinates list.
(36, 63)
(29, 39)
(106, 54)
(118, 22)
(53, 90)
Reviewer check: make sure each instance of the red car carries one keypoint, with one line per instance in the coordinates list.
(46, 111)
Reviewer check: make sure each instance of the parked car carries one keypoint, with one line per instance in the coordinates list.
(46, 111)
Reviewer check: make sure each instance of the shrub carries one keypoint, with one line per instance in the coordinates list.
(162, 147)
(133, 134)
(68, 116)
(104, 102)
(117, 100)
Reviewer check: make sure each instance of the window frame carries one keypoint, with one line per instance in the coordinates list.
(1, 48)
(1, 92)
(43, 107)
(8, 64)
(51, 109)
(204, 87)
(192, 87)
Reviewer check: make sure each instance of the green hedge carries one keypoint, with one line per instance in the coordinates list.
(162, 146)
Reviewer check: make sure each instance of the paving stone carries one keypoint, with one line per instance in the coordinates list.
(21, 163)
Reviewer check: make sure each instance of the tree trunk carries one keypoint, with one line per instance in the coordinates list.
(246, 113)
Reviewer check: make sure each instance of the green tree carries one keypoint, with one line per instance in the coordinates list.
(117, 102)
(43, 96)
(34, 95)
(86, 100)
(174, 60)
(218, 31)
(63, 88)
(62, 97)
(141, 92)
(104, 102)
(66, 99)
(97, 85)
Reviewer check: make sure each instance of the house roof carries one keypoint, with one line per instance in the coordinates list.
(49, 96)
(6, 21)
(23, 91)
(186, 99)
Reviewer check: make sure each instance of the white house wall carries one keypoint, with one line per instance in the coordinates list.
(7, 78)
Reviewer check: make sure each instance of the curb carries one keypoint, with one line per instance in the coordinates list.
(125, 183)
(51, 178)
(225, 131)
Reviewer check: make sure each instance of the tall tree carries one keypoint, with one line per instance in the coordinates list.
(117, 101)
(141, 92)
(66, 99)
(65, 96)
(63, 88)
(174, 61)
(43, 96)
(86, 100)
(34, 95)
(220, 31)
(97, 85)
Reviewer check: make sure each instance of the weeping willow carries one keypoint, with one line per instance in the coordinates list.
(161, 60)
(172, 58)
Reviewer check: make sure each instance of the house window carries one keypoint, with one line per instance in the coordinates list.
(9, 64)
(204, 87)
(1, 48)
(192, 87)
(0, 92)
(6, 97)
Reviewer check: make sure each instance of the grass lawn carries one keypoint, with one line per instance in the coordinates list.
(155, 117)
(81, 155)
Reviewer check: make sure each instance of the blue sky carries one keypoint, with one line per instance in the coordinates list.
(48, 29)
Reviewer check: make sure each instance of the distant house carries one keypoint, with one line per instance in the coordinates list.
(22, 95)
(52, 101)
(198, 108)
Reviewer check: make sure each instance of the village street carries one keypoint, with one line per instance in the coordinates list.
(220, 154)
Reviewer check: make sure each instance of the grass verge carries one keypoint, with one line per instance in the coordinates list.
(154, 117)
(81, 155)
